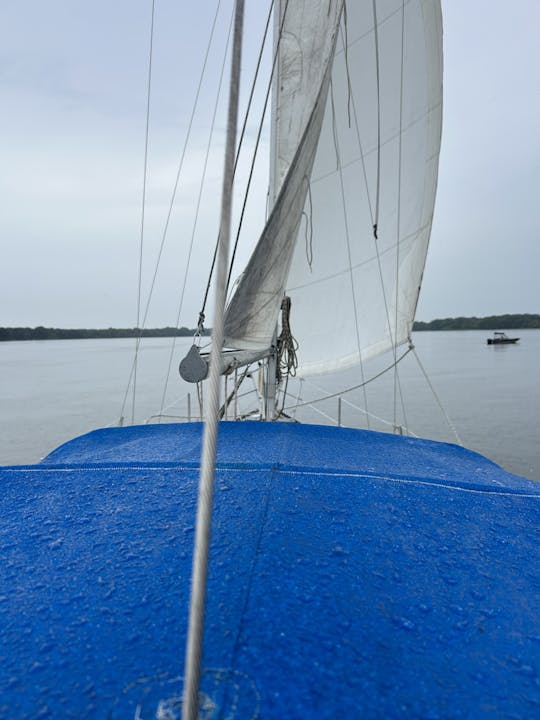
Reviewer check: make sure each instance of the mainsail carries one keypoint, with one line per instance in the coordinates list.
(356, 142)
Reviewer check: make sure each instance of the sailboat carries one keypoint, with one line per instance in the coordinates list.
(352, 573)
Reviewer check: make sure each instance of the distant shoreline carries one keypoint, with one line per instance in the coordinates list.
(43, 333)
(492, 322)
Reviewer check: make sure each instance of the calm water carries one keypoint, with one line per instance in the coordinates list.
(52, 391)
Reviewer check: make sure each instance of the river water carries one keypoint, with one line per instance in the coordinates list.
(52, 391)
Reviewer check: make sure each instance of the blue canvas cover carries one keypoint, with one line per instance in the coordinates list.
(352, 574)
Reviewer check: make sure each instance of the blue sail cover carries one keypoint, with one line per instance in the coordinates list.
(352, 574)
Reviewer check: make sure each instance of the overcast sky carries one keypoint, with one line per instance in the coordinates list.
(73, 88)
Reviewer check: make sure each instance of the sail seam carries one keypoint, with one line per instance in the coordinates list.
(371, 259)
(363, 155)
(366, 34)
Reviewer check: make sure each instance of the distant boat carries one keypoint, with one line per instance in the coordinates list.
(500, 338)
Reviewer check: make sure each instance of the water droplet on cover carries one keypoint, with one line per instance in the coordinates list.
(404, 623)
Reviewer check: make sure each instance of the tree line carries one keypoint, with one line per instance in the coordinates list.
(491, 322)
(43, 333)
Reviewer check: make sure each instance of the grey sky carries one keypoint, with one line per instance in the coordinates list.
(73, 86)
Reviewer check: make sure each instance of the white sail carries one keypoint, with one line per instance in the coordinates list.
(309, 31)
(374, 162)
(354, 296)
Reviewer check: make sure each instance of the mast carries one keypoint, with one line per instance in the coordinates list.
(193, 657)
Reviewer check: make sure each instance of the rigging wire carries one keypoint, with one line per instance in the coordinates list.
(195, 222)
(143, 208)
(206, 484)
(375, 213)
(349, 255)
(173, 197)
(376, 417)
(257, 142)
(352, 405)
(269, 88)
(397, 383)
(374, 206)
(438, 400)
(353, 387)
(240, 145)
(375, 219)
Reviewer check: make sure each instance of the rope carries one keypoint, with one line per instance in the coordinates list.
(309, 226)
(397, 384)
(287, 361)
(143, 208)
(346, 56)
(206, 483)
(377, 73)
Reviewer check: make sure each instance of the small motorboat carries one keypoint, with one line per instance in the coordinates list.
(500, 338)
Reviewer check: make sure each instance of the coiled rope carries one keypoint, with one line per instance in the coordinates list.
(287, 361)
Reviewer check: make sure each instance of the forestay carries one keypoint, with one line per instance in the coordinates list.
(356, 181)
